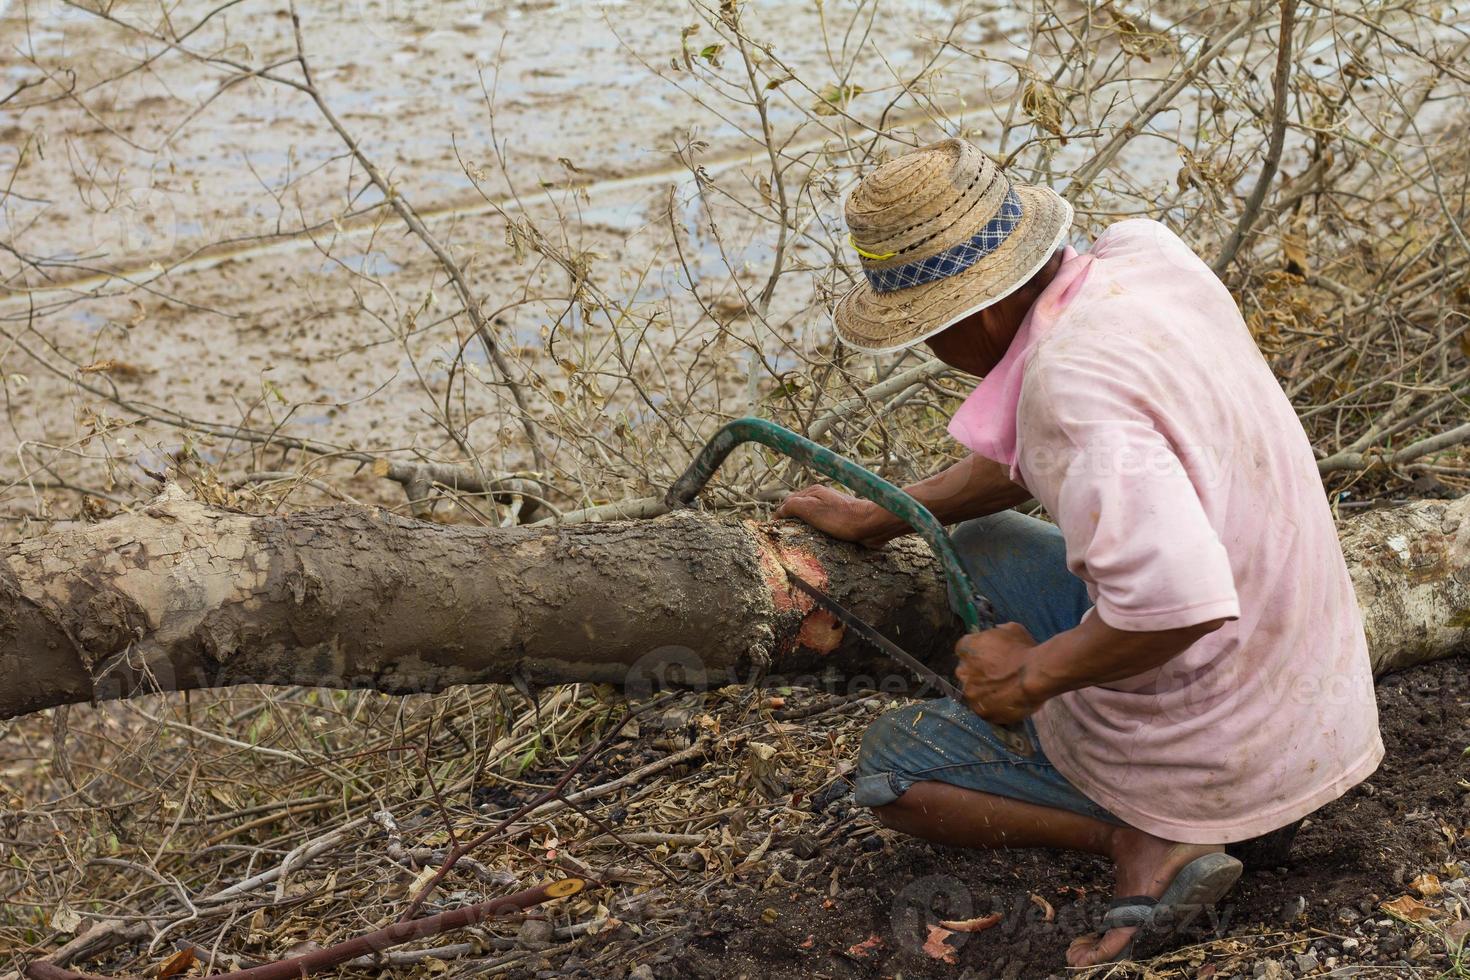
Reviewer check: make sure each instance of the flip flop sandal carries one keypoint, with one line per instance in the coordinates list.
(1200, 883)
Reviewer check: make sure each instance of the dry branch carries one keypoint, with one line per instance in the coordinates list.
(372, 942)
(1280, 86)
(1416, 450)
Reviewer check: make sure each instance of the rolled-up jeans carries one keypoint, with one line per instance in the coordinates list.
(1020, 564)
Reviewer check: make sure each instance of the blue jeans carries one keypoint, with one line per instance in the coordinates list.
(1020, 563)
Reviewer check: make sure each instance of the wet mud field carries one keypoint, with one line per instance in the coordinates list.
(212, 249)
(860, 904)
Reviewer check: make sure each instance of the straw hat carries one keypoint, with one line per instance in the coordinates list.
(941, 233)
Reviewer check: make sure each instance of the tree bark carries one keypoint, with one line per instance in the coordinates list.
(1411, 571)
(179, 595)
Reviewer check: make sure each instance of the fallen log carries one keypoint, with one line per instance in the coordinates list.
(179, 595)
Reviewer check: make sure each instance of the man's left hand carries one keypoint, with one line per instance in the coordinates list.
(990, 673)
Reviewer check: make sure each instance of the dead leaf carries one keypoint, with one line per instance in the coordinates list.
(1048, 913)
(176, 964)
(1040, 102)
(1455, 932)
(835, 97)
(64, 919)
(1294, 246)
(422, 878)
(1410, 908)
(300, 948)
(867, 947)
(1274, 971)
(755, 856)
(936, 946)
(113, 368)
(978, 924)
(1427, 885)
(257, 933)
(1134, 40)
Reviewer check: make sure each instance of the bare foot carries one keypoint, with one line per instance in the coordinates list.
(1144, 865)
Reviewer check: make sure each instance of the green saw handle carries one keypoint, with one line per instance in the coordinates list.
(973, 609)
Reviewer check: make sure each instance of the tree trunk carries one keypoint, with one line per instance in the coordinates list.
(180, 595)
(1411, 570)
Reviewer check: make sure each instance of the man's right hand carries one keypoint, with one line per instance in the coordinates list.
(838, 514)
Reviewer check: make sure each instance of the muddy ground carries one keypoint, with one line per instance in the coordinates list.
(708, 868)
(1322, 906)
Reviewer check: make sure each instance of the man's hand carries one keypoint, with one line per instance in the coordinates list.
(1006, 675)
(990, 673)
(973, 487)
(834, 513)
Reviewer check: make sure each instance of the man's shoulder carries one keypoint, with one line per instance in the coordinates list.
(1128, 227)
(1143, 235)
(1074, 361)
(1143, 280)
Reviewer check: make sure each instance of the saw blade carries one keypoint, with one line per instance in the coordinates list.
(852, 621)
(1014, 737)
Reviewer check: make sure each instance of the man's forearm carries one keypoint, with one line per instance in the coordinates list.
(973, 487)
(1095, 653)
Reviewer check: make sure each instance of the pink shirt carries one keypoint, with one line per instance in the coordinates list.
(1136, 407)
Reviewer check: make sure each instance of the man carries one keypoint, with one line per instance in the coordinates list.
(1183, 644)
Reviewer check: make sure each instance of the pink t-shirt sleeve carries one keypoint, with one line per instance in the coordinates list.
(1132, 519)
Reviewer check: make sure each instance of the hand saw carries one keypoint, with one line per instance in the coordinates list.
(973, 609)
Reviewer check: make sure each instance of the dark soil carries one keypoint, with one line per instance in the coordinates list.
(1365, 848)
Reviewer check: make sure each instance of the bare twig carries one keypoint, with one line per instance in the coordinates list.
(1281, 87)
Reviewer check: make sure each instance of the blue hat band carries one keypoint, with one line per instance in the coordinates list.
(955, 259)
